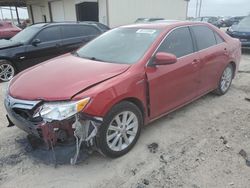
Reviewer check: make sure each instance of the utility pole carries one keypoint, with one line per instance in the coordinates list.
(11, 13)
(196, 10)
(200, 8)
(2, 13)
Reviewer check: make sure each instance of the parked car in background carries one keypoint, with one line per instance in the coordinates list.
(145, 20)
(107, 90)
(8, 30)
(228, 22)
(43, 41)
(241, 31)
(208, 19)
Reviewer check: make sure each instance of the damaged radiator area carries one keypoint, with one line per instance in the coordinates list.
(69, 141)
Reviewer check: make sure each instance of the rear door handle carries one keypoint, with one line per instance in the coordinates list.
(195, 62)
(58, 45)
(225, 51)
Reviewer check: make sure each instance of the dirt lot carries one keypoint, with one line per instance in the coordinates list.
(198, 146)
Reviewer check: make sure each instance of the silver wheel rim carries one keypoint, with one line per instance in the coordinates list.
(226, 79)
(6, 72)
(122, 131)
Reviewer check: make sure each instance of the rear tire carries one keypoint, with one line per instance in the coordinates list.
(120, 130)
(7, 70)
(225, 80)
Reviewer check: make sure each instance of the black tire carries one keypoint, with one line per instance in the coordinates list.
(11, 72)
(101, 138)
(220, 91)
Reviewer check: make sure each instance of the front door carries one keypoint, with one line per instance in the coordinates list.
(49, 46)
(171, 86)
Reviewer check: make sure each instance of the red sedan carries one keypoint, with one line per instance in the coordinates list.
(106, 91)
(8, 30)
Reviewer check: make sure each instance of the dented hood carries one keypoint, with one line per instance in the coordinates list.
(62, 78)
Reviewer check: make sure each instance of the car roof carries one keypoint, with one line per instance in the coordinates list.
(41, 25)
(163, 25)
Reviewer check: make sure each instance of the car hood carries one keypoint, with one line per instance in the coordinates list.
(62, 78)
(8, 44)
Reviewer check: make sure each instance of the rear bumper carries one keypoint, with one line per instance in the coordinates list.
(245, 44)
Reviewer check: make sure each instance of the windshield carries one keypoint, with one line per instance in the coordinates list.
(245, 24)
(25, 35)
(122, 45)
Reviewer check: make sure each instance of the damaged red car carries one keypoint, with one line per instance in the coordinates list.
(104, 93)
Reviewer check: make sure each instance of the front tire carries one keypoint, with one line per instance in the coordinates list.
(120, 130)
(7, 70)
(225, 80)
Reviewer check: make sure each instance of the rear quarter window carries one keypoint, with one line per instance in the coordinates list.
(218, 38)
(204, 36)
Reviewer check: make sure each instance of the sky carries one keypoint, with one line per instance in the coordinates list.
(221, 8)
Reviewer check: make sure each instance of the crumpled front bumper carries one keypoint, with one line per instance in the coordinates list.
(76, 129)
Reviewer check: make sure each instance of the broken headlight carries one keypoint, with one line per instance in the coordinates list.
(60, 110)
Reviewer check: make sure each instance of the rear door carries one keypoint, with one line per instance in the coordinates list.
(213, 54)
(75, 36)
(171, 86)
(50, 46)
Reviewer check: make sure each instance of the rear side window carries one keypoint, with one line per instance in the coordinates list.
(205, 37)
(71, 31)
(218, 38)
(178, 42)
(49, 34)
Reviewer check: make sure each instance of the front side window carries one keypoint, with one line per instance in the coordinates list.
(205, 37)
(121, 45)
(178, 42)
(49, 34)
(25, 35)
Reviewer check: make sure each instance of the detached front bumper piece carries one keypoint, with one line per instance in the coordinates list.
(76, 129)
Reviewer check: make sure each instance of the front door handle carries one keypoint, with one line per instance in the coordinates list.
(58, 45)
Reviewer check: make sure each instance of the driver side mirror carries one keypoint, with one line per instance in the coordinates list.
(35, 42)
(162, 58)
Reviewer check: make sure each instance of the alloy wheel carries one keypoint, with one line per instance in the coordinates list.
(7, 72)
(122, 131)
(226, 79)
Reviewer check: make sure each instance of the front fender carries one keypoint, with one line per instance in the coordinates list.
(105, 95)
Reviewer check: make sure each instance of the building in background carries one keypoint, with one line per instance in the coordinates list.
(109, 12)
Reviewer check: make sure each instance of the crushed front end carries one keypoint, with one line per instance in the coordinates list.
(55, 123)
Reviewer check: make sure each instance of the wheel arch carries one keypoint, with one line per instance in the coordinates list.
(8, 59)
(136, 102)
(234, 67)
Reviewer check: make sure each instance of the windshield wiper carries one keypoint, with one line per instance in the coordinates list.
(92, 58)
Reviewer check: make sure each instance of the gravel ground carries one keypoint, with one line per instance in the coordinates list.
(196, 146)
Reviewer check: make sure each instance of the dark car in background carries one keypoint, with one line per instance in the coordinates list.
(207, 19)
(8, 30)
(44, 41)
(228, 22)
(241, 31)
